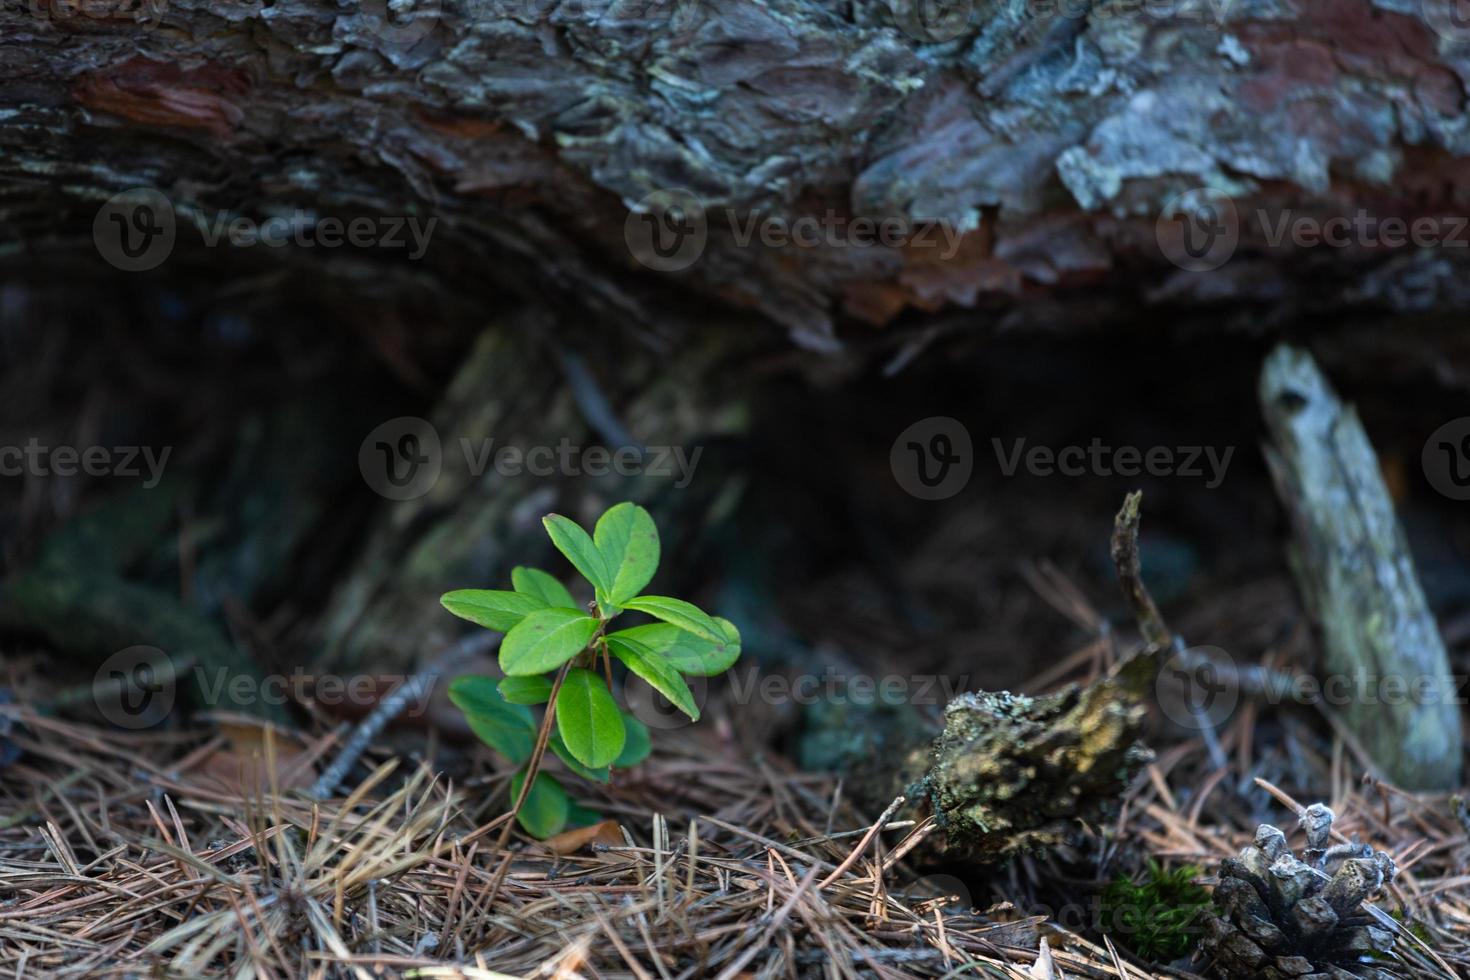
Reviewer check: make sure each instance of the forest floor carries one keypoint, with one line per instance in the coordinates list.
(192, 849)
(196, 852)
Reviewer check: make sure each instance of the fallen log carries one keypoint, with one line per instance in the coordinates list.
(1027, 162)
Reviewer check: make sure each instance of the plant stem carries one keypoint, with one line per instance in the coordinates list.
(534, 766)
(598, 644)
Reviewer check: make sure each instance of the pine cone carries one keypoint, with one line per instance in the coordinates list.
(1281, 918)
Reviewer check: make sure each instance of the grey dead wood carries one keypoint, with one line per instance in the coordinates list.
(1381, 645)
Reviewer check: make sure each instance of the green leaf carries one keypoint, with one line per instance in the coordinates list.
(534, 582)
(512, 741)
(475, 694)
(690, 654)
(581, 816)
(685, 652)
(525, 690)
(652, 668)
(557, 745)
(627, 539)
(491, 608)
(588, 719)
(636, 746)
(544, 641)
(547, 806)
(684, 615)
(575, 543)
(507, 728)
(732, 633)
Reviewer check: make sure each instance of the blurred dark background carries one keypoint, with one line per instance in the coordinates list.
(265, 540)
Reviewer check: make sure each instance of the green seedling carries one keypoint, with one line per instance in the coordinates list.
(560, 654)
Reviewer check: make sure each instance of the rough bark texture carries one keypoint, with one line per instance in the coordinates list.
(1051, 135)
(1007, 774)
(1381, 644)
(1013, 773)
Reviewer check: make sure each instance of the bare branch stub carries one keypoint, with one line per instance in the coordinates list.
(1156, 632)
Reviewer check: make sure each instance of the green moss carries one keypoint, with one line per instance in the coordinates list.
(1156, 918)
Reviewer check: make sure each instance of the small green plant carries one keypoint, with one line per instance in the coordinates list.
(1156, 918)
(560, 654)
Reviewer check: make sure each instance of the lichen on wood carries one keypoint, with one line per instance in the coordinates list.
(1013, 773)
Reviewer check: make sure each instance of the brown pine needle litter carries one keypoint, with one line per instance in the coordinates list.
(117, 859)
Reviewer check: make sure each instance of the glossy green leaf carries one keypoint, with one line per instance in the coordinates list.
(588, 719)
(507, 728)
(684, 615)
(525, 690)
(544, 641)
(581, 816)
(627, 539)
(690, 654)
(491, 608)
(547, 806)
(685, 652)
(652, 668)
(636, 745)
(538, 584)
(577, 545)
(558, 746)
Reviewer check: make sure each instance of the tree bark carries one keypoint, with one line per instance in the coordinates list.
(1046, 139)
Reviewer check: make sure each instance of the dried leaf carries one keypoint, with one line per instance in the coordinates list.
(258, 756)
(572, 841)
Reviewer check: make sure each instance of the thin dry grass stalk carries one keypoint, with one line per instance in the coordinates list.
(116, 861)
(125, 855)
